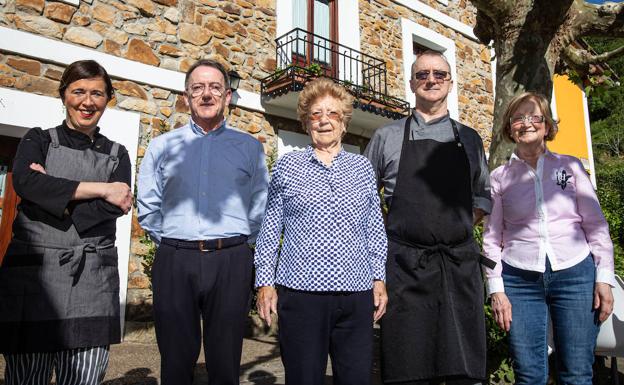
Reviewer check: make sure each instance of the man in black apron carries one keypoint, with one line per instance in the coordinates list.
(436, 185)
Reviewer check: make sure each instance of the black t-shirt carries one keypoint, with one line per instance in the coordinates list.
(48, 199)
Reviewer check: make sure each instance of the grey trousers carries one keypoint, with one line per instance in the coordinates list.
(83, 366)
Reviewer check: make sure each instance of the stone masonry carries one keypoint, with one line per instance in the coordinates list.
(172, 34)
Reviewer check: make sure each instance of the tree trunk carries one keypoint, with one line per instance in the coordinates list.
(525, 63)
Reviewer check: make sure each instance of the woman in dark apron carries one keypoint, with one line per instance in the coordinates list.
(59, 283)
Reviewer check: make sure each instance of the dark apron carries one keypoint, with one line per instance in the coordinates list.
(435, 325)
(59, 291)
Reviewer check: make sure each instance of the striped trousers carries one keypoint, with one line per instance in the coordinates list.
(82, 366)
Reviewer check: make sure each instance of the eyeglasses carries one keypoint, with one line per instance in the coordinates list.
(438, 75)
(517, 120)
(332, 115)
(198, 89)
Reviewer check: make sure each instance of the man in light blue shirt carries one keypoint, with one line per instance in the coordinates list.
(201, 197)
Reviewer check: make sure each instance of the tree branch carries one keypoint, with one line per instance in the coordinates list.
(583, 58)
(489, 12)
(598, 20)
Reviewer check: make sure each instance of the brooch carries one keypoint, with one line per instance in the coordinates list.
(561, 177)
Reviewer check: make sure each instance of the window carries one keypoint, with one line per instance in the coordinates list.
(319, 18)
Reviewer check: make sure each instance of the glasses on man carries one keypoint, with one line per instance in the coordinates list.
(198, 89)
(438, 75)
(520, 119)
(332, 115)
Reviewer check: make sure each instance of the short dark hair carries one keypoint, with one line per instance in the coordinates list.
(84, 69)
(207, 63)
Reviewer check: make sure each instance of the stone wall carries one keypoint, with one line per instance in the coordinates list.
(169, 34)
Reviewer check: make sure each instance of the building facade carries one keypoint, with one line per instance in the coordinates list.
(274, 45)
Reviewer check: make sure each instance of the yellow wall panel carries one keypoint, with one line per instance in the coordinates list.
(572, 136)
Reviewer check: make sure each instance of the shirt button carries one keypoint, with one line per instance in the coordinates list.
(203, 193)
(205, 172)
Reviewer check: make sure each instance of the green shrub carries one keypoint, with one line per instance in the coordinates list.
(610, 180)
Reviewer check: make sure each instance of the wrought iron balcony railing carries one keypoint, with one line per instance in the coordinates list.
(302, 56)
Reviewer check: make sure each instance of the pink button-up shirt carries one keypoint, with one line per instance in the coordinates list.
(550, 212)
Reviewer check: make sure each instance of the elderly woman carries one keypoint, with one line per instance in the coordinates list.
(59, 285)
(557, 257)
(329, 275)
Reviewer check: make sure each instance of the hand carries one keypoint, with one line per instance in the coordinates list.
(477, 215)
(603, 300)
(380, 299)
(502, 310)
(37, 167)
(266, 302)
(118, 194)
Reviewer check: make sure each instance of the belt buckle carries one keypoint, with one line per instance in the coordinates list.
(204, 249)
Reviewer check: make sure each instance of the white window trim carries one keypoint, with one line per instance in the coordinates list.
(16, 117)
(413, 32)
(438, 16)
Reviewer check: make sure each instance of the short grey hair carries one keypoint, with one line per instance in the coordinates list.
(430, 52)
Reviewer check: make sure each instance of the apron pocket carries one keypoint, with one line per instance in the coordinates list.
(109, 274)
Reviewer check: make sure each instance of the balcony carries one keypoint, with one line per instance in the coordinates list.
(302, 56)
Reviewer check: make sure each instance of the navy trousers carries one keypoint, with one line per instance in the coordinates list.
(315, 324)
(193, 285)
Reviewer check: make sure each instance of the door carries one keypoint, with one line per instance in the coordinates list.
(320, 19)
(8, 197)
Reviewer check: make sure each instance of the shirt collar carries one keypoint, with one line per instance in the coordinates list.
(420, 120)
(515, 157)
(200, 131)
(311, 155)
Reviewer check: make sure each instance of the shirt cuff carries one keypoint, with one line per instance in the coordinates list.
(264, 277)
(606, 276)
(482, 203)
(495, 285)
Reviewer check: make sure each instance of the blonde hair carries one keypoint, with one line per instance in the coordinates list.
(544, 105)
(319, 88)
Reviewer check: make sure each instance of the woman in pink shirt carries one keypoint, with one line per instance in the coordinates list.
(555, 257)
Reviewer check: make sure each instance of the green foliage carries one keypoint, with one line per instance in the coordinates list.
(148, 259)
(608, 136)
(499, 368)
(610, 180)
(315, 69)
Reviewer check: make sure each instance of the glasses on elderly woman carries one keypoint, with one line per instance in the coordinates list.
(332, 115)
(520, 119)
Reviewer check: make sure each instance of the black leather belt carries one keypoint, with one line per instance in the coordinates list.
(208, 245)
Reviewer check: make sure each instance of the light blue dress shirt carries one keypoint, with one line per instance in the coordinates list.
(334, 236)
(194, 185)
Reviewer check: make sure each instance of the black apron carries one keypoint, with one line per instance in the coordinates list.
(57, 290)
(435, 324)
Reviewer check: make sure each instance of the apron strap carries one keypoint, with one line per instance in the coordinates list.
(114, 151)
(456, 133)
(54, 137)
